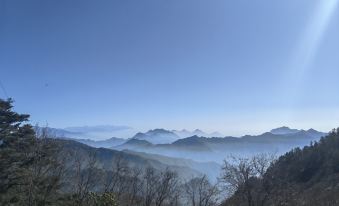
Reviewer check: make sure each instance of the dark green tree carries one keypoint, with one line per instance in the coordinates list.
(30, 164)
(15, 142)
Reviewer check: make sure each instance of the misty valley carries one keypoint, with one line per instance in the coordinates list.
(169, 103)
(197, 154)
(49, 166)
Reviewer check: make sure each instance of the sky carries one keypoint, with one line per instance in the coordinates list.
(237, 67)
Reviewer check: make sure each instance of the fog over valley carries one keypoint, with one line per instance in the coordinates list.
(190, 149)
(169, 103)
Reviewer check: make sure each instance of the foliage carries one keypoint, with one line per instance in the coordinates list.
(308, 176)
(37, 169)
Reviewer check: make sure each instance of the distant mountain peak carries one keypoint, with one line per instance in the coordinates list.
(288, 131)
(312, 130)
(138, 135)
(157, 136)
(284, 130)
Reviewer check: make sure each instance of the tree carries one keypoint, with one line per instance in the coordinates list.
(166, 186)
(150, 186)
(15, 142)
(200, 192)
(46, 171)
(30, 170)
(136, 186)
(117, 179)
(84, 177)
(241, 174)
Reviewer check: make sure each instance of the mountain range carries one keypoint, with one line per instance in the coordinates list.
(189, 156)
(106, 157)
(103, 132)
(161, 140)
(217, 148)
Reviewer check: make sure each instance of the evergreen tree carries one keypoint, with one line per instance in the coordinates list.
(30, 165)
(15, 143)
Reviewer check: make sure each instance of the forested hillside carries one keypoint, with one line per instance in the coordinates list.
(308, 176)
(37, 170)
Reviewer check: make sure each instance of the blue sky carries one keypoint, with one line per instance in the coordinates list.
(233, 66)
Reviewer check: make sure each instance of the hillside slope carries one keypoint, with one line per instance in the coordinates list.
(106, 157)
(308, 176)
(216, 149)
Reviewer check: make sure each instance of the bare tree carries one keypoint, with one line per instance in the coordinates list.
(167, 185)
(117, 180)
(261, 162)
(136, 186)
(241, 174)
(175, 198)
(46, 171)
(200, 192)
(150, 185)
(84, 177)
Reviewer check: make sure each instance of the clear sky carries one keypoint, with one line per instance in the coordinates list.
(241, 66)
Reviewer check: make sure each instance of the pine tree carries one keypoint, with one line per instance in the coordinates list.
(15, 142)
(30, 162)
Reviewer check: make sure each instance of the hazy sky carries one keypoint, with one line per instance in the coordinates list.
(241, 66)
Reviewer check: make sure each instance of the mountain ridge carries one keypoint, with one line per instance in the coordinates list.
(157, 136)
